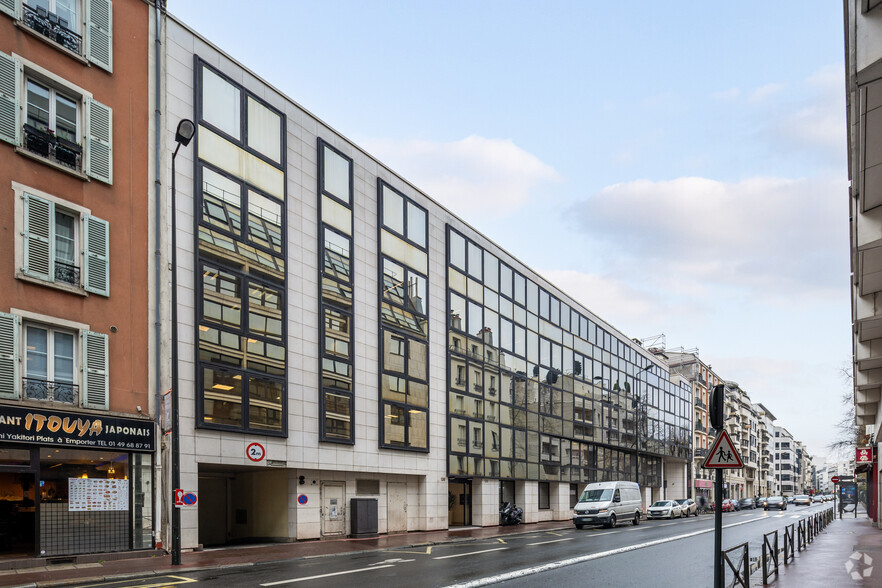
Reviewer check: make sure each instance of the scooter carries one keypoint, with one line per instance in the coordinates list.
(509, 514)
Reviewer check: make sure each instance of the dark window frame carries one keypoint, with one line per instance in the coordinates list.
(324, 434)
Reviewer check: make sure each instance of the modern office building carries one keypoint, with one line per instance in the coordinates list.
(863, 70)
(77, 439)
(343, 336)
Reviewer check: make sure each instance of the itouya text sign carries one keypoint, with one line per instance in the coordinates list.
(73, 429)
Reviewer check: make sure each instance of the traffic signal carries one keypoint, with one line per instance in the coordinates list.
(718, 396)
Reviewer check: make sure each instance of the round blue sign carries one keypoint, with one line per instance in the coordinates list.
(302, 499)
(189, 499)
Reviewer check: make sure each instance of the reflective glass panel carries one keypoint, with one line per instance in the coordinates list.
(335, 179)
(264, 130)
(222, 397)
(393, 210)
(221, 103)
(265, 404)
(221, 202)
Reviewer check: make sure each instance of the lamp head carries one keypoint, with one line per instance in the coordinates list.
(184, 133)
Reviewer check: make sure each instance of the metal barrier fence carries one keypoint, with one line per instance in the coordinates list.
(770, 556)
(741, 568)
(805, 530)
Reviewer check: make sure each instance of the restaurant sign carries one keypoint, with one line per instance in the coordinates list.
(69, 429)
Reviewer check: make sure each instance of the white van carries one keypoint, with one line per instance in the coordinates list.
(607, 503)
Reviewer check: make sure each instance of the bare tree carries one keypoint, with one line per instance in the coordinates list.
(848, 434)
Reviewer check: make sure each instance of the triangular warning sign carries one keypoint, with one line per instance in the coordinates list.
(722, 454)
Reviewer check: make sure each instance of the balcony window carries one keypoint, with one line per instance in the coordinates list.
(49, 365)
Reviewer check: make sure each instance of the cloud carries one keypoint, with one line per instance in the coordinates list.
(764, 92)
(472, 176)
(761, 235)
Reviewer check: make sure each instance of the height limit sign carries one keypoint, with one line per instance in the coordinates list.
(723, 454)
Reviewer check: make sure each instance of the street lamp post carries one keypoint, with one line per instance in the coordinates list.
(635, 403)
(184, 133)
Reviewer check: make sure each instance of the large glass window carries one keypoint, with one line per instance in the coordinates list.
(221, 103)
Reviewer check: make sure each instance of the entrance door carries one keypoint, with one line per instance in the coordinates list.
(214, 527)
(17, 513)
(460, 502)
(333, 509)
(396, 507)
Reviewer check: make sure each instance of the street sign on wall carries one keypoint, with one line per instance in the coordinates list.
(863, 455)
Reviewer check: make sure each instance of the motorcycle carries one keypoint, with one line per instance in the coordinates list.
(510, 514)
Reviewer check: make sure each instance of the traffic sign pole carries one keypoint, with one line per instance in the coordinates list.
(718, 530)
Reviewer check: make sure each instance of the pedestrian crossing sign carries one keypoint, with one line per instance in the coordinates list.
(723, 454)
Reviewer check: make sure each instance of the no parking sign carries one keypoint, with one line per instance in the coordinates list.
(186, 498)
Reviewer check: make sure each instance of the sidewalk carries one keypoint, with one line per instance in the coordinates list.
(824, 561)
(84, 573)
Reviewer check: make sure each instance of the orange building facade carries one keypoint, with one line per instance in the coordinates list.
(77, 435)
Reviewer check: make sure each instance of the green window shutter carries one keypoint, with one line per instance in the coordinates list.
(9, 327)
(99, 33)
(99, 141)
(10, 84)
(39, 226)
(11, 7)
(95, 385)
(97, 258)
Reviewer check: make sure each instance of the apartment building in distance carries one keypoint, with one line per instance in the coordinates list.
(78, 439)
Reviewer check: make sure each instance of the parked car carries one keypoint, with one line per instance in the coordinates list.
(789, 499)
(802, 500)
(818, 498)
(688, 506)
(729, 505)
(606, 503)
(775, 502)
(664, 509)
(746, 503)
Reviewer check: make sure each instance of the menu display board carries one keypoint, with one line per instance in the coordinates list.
(97, 494)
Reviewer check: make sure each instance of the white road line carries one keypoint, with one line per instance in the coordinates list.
(777, 516)
(470, 553)
(292, 581)
(582, 559)
(552, 541)
(666, 525)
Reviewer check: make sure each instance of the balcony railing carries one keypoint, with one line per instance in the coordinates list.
(45, 144)
(65, 272)
(700, 404)
(53, 27)
(36, 389)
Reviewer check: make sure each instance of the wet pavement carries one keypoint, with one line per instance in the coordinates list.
(847, 553)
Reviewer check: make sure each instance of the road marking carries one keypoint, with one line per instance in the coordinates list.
(582, 559)
(137, 584)
(292, 581)
(500, 540)
(553, 533)
(428, 551)
(470, 553)
(552, 541)
(608, 533)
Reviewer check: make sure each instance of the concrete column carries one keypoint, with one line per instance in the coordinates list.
(485, 502)
(527, 494)
(560, 501)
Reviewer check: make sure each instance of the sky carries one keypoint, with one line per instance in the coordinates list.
(679, 168)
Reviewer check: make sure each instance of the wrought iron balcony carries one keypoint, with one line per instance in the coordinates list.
(36, 389)
(45, 144)
(65, 272)
(53, 27)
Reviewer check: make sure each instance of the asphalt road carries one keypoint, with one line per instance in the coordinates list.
(658, 553)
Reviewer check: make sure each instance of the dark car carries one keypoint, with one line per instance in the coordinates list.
(746, 503)
(775, 502)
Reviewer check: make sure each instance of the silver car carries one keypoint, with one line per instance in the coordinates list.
(688, 506)
(664, 509)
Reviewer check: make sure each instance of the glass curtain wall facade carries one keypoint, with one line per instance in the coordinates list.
(404, 336)
(539, 391)
(336, 402)
(240, 260)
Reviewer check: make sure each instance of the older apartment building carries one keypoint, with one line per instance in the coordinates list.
(76, 439)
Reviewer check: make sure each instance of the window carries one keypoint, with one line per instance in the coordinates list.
(61, 244)
(58, 363)
(60, 22)
(62, 124)
(544, 495)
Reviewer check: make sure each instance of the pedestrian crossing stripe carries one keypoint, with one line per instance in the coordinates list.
(723, 454)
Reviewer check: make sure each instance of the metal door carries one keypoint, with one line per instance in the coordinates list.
(333, 509)
(396, 507)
